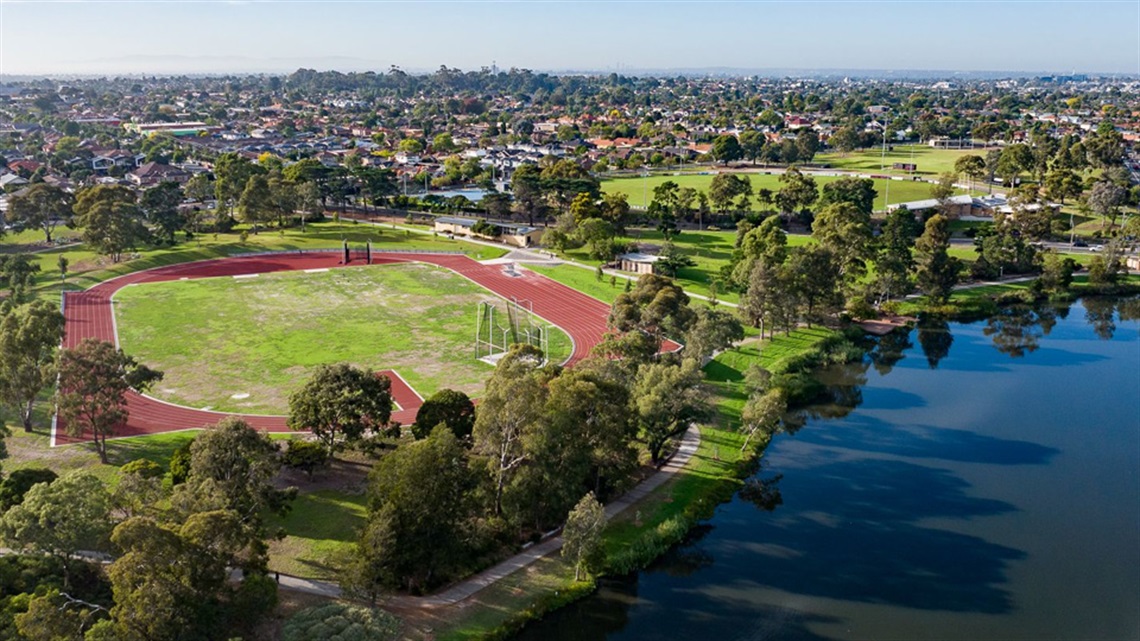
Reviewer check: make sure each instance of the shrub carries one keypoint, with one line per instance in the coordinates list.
(341, 622)
(305, 455)
(144, 468)
(13, 489)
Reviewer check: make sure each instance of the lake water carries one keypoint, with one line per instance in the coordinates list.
(970, 481)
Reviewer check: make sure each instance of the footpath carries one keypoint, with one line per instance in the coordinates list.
(690, 441)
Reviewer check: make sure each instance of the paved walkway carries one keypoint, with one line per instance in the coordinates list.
(690, 441)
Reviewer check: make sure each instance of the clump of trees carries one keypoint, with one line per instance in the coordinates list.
(173, 550)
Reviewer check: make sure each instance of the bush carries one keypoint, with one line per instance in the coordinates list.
(341, 622)
(144, 468)
(180, 463)
(13, 489)
(307, 456)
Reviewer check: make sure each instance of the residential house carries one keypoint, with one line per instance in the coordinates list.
(153, 173)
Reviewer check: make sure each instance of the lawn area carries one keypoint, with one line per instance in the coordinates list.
(32, 450)
(243, 345)
(640, 190)
(582, 280)
(88, 268)
(930, 161)
(319, 525)
(710, 250)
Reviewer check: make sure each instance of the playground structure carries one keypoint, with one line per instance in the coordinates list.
(496, 329)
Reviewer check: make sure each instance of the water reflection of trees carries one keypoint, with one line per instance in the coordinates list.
(1017, 330)
(763, 492)
(935, 339)
(889, 350)
(842, 392)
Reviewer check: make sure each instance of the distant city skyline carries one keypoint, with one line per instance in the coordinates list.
(196, 36)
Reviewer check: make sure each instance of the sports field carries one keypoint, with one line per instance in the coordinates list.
(243, 344)
(930, 161)
(640, 189)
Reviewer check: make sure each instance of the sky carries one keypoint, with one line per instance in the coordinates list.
(207, 36)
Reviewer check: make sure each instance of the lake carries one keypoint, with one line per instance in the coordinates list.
(967, 481)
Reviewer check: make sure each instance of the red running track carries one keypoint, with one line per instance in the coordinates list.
(89, 315)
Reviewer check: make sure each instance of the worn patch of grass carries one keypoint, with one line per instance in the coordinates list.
(219, 337)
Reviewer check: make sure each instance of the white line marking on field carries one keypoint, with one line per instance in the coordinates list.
(246, 276)
(316, 271)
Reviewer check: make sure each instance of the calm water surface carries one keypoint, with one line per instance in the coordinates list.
(970, 481)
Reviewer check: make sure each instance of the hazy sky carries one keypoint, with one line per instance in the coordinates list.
(162, 36)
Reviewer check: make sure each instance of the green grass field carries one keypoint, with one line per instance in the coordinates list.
(219, 339)
(930, 161)
(640, 190)
(319, 525)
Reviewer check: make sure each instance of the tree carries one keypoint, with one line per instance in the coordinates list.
(17, 275)
(671, 260)
(1063, 183)
(110, 219)
(1105, 199)
(761, 414)
(418, 511)
(582, 535)
(159, 206)
(171, 581)
(53, 616)
(256, 203)
(943, 190)
(43, 206)
(510, 410)
(767, 287)
(815, 278)
(231, 177)
(93, 381)
(60, 519)
(665, 208)
(656, 308)
(615, 209)
(666, 398)
(1013, 160)
(807, 144)
(712, 330)
(726, 148)
(859, 192)
(972, 166)
(341, 402)
(726, 188)
(446, 407)
(140, 490)
(845, 229)
(937, 270)
(233, 467)
(797, 193)
(14, 488)
(598, 235)
(29, 336)
(895, 261)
